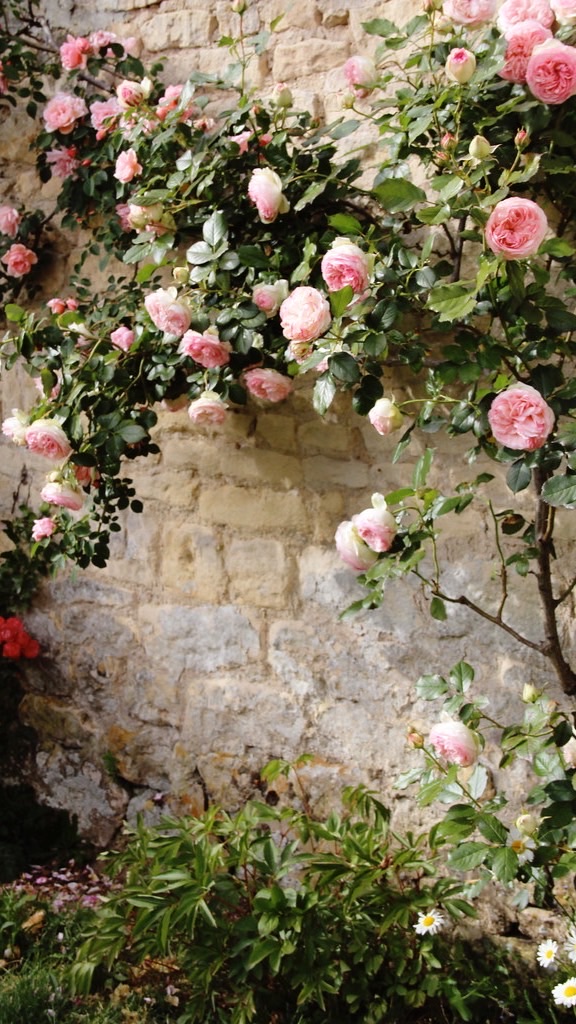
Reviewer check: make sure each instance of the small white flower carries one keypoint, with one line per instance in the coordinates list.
(565, 994)
(570, 945)
(429, 923)
(546, 953)
(523, 846)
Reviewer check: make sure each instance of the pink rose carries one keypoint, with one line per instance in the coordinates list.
(385, 416)
(345, 264)
(209, 408)
(516, 228)
(63, 111)
(169, 315)
(122, 212)
(131, 94)
(103, 115)
(63, 162)
(265, 191)
(122, 337)
(9, 221)
(522, 39)
(352, 549)
(513, 12)
(520, 418)
(455, 742)
(305, 314)
(43, 527)
(74, 52)
(55, 492)
(15, 427)
(361, 75)
(376, 526)
(551, 72)
(19, 260)
(47, 438)
(470, 12)
(564, 11)
(56, 306)
(242, 139)
(268, 384)
(269, 297)
(205, 349)
(127, 166)
(460, 65)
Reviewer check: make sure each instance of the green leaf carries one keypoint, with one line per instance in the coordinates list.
(199, 253)
(324, 392)
(340, 131)
(430, 687)
(560, 491)
(215, 229)
(344, 367)
(438, 609)
(453, 301)
(340, 300)
(14, 313)
(518, 476)
(467, 856)
(505, 864)
(345, 224)
(397, 194)
(131, 432)
(312, 192)
(380, 27)
(422, 468)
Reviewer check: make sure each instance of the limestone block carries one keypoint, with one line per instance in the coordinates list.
(319, 435)
(321, 472)
(203, 639)
(291, 60)
(68, 781)
(179, 29)
(254, 510)
(278, 431)
(191, 561)
(252, 465)
(259, 573)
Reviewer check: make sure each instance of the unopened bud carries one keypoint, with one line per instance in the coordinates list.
(239, 6)
(348, 101)
(526, 824)
(530, 693)
(415, 738)
(282, 96)
(479, 148)
(460, 65)
(181, 275)
(521, 139)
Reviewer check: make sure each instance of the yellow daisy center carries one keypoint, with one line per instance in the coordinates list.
(428, 921)
(548, 953)
(570, 991)
(517, 845)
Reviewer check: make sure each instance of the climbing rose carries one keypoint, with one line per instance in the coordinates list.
(361, 75)
(131, 94)
(63, 162)
(345, 264)
(15, 427)
(269, 297)
(123, 337)
(265, 191)
(385, 416)
(43, 527)
(208, 408)
(166, 313)
(352, 549)
(268, 384)
(205, 349)
(455, 742)
(63, 111)
(57, 493)
(19, 260)
(103, 114)
(127, 166)
(520, 418)
(521, 40)
(376, 526)
(46, 437)
(551, 72)
(9, 221)
(516, 228)
(564, 11)
(74, 52)
(305, 314)
(460, 65)
(470, 12)
(514, 12)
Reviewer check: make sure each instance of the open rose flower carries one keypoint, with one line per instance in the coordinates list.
(514, 12)
(469, 12)
(74, 53)
(167, 313)
(520, 418)
(19, 260)
(551, 72)
(385, 416)
(345, 264)
(63, 111)
(56, 492)
(123, 337)
(205, 349)
(127, 166)
(352, 549)
(131, 94)
(15, 427)
(265, 191)
(361, 75)
(564, 11)
(521, 41)
(103, 115)
(376, 526)
(208, 408)
(268, 384)
(516, 228)
(269, 297)
(9, 221)
(455, 742)
(305, 315)
(43, 527)
(47, 438)
(63, 162)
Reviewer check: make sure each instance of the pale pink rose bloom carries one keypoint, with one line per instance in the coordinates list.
(352, 549)
(9, 221)
(305, 315)
(516, 228)
(131, 94)
(103, 115)
(63, 111)
(564, 11)
(376, 526)
(127, 166)
(86, 475)
(521, 40)
(205, 349)
(299, 351)
(512, 12)
(43, 527)
(455, 742)
(345, 264)
(19, 260)
(269, 297)
(282, 96)
(167, 313)
(204, 124)
(56, 306)
(469, 12)
(520, 419)
(385, 416)
(361, 75)
(63, 162)
(568, 752)
(460, 65)
(268, 384)
(208, 408)
(15, 427)
(98, 40)
(265, 191)
(551, 72)
(122, 337)
(170, 100)
(74, 52)
(64, 495)
(242, 139)
(122, 212)
(46, 437)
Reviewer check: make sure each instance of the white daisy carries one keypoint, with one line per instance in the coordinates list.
(565, 994)
(570, 945)
(523, 846)
(429, 923)
(546, 953)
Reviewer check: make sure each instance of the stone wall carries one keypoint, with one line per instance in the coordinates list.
(212, 642)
